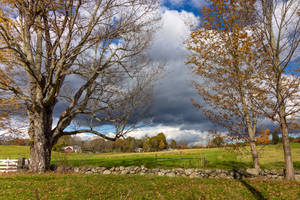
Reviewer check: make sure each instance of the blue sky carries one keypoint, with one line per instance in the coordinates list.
(180, 5)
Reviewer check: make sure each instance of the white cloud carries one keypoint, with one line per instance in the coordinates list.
(86, 136)
(169, 40)
(16, 127)
(192, 137)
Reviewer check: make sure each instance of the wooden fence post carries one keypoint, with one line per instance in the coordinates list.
(21, 163)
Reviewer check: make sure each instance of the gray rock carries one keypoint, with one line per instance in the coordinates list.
(274, 176)
(76, 169)
(253, 171)
(124, 172)
(189, 171)
(102, 168)
(193, 175)
(171, 174)
(208, 171)
(88, 169)
(107, 172)
(160, 174)
(122, 168)
(179, 170)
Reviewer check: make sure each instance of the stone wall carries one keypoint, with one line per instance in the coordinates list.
(192, 173)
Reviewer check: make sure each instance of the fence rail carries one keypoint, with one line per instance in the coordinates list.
(8, 165)
(200, 162)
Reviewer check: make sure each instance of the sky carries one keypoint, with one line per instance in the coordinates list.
(172, 111)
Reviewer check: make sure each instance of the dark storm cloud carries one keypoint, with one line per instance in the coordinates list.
(172, 104)
(172, 92)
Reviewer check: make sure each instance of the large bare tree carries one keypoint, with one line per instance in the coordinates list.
(279, 23)
(75, 58)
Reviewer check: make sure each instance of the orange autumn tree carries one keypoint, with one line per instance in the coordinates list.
(9, 104)
(228, 61)
(263, 137)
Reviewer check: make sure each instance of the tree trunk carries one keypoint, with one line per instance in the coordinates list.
(40, 155)
(289, 167)
(41, 145)
(251, 131)
(254, 155)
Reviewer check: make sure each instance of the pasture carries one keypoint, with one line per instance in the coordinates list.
(83, 186)
(271, 157)
(54, 186)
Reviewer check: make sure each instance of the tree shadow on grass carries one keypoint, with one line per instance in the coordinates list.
(257, 194)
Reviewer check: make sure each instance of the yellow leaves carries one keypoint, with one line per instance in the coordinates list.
(264, 137)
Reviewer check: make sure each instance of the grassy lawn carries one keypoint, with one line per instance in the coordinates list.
(72, 186)
(271, 156)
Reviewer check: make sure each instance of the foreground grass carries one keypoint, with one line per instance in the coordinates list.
(55, 186)
(271, 157)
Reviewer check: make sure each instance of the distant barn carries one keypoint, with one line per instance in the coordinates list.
(71, 149)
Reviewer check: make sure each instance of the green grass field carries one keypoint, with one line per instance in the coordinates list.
(74, 186)
(271, 157)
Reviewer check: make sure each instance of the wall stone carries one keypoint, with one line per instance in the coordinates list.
(191, 173)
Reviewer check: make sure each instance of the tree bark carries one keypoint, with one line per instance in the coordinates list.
(40, 155)
(41, 140)
(289, 167)
(251, 129)
(254, 155)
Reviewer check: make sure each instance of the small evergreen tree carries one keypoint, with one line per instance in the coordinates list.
(275, 137)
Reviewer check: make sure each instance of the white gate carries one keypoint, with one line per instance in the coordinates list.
(8, 165)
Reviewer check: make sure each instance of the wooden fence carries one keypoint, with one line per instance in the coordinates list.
(8, 165)
(183, 161)
(13, 165)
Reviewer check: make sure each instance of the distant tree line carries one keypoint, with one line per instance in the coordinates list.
(149, 144)
(129, 144)
(263, 138)
(17, 141)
